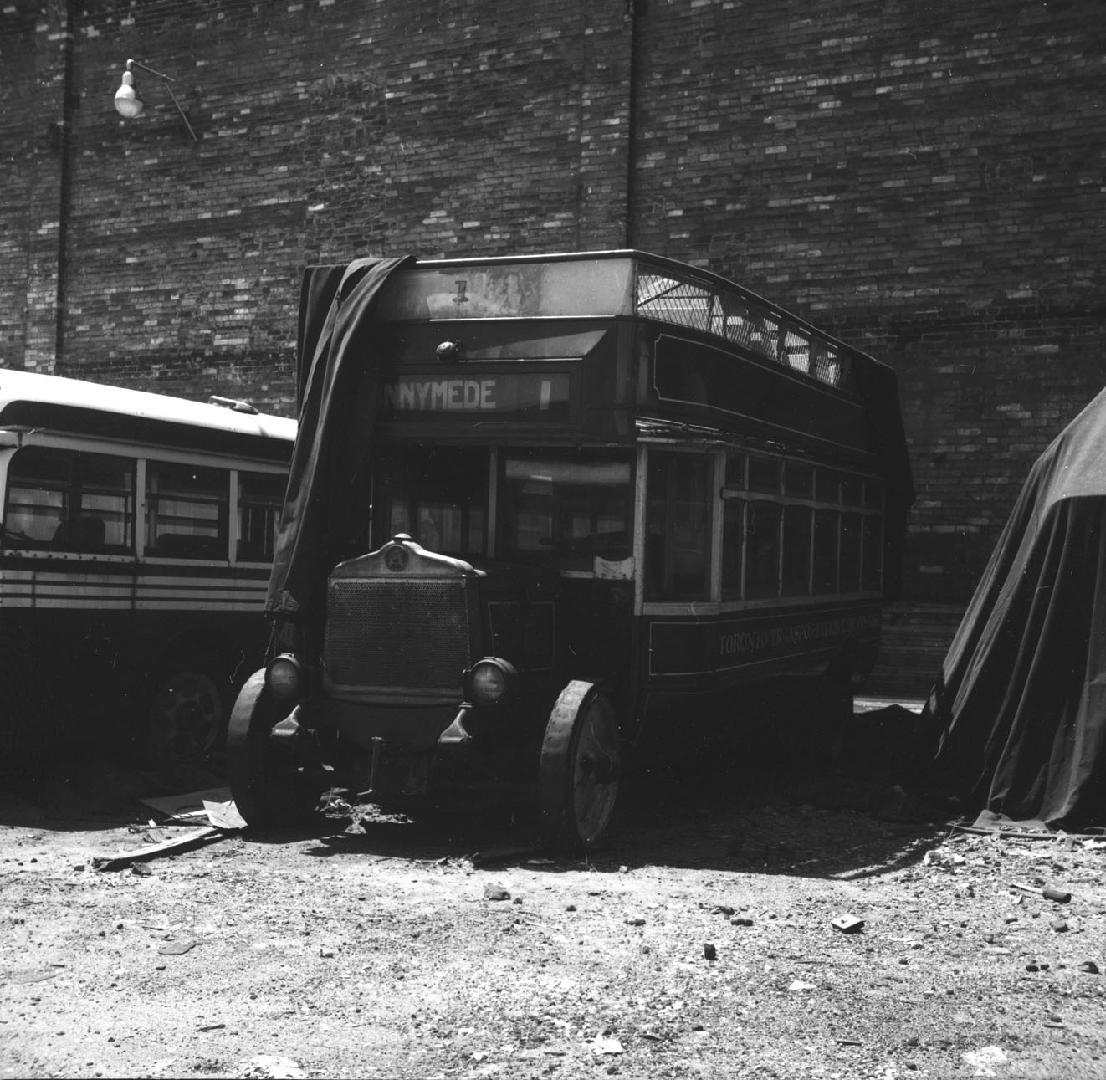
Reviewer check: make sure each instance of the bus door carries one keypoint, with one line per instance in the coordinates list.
(572, 510)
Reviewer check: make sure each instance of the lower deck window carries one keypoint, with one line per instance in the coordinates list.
(762, 550)
(677, 527)
(565, 507)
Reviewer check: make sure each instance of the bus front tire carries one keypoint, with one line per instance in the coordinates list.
(270, 786)
(580, 768)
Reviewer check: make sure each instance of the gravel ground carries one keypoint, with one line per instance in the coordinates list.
(699, 942)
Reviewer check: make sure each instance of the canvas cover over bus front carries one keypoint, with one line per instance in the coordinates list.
(1019, 713)
(328, 477)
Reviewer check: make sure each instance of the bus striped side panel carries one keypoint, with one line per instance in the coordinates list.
(122, 592)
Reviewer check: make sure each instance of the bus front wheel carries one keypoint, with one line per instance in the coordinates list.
(580, 768)
(272, 783)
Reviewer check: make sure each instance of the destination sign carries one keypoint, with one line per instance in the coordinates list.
(541, 396)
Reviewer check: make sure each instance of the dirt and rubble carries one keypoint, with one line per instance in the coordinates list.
(752, 920)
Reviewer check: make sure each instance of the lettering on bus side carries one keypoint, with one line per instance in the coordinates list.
(700, 647)
(739, 644)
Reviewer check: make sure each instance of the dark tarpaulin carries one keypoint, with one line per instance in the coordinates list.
(1019, 714)
(328, 477)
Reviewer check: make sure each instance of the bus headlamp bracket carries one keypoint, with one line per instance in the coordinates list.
(457, 734)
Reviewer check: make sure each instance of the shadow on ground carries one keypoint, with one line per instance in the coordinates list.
(763, 805)
(77, 791)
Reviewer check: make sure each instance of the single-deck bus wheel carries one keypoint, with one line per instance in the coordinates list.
(269, 784)
(187, 715)
(580, 768)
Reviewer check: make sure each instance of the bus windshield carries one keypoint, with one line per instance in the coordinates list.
(566, 507)
(436, 495)
(558, 507)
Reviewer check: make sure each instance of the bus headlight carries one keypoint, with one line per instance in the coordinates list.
(490, 680)
(284, 677)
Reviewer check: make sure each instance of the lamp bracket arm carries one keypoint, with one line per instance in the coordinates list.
(144, 67)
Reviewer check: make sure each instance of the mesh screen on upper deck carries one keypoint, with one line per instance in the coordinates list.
(740, 320)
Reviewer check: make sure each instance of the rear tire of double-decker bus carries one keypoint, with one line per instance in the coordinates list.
(271, 786)
(187, 714)
(580, 768)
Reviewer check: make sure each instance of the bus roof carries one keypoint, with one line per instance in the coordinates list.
(613, 284)
(29, 399)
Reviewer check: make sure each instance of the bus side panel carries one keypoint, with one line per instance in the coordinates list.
(716, 671)
(80, 650)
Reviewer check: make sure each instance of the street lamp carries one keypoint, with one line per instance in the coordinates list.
(128, 104)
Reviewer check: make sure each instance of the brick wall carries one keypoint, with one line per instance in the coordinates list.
(924, 180)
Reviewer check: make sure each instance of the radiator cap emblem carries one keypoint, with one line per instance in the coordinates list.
(396, 557)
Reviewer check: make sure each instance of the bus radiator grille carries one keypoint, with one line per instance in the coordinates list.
(399, 634)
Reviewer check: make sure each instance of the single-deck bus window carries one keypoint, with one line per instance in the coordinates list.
(188, 509)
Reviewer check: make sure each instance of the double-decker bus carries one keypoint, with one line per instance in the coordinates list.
(542, 505)
(137, 541)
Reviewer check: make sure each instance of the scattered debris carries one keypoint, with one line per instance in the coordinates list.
(224, 815)
(848, 924)
(1049, 892)
(34, 975)
(603, 1045)
(984, 1060)
(266, 1067)
(190, 809)
(152, 851)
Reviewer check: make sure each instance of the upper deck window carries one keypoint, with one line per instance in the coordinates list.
(511, 290)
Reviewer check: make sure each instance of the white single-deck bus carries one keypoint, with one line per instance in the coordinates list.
(137, 541)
